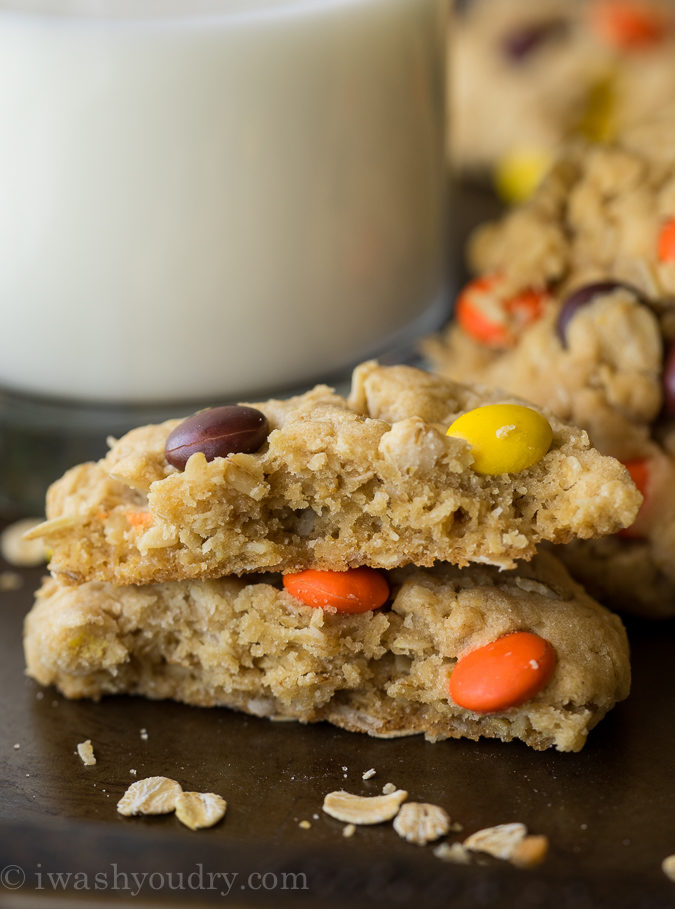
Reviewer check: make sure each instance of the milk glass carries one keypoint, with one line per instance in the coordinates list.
(212, 200)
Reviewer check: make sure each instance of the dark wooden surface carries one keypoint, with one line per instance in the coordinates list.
(608, 810)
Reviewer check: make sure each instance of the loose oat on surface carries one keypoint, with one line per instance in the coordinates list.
(86, 753)
(388, 788)
(453, 852)
(349, 830)
(421, 823)
(668, 867)
(357, 809)
(200, 809)
(152, 795)
(368, 774)
(500, 841)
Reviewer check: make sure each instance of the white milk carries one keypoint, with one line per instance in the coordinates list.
(209, 198)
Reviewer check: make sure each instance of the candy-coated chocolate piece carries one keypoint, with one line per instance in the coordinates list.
(502, 674)
(217, 433)
(666, 246)
(518, 174)
(628, 24)
(356, 590)
(521, 42)
(669, 380)
(504, 438)
(492, 321)
(639, 471)
(583, 296)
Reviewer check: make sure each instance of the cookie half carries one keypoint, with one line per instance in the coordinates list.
(251, 646)
(369, 480)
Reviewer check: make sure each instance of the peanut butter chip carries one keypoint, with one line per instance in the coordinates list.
(356, 809)
(152, 795)
(200, 809)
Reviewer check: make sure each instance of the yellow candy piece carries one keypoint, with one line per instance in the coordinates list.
(519, 173)
(598, 122)
(504, 438)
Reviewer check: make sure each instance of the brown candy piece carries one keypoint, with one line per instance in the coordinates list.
(583, 296)
(217, 432)
(669, 380)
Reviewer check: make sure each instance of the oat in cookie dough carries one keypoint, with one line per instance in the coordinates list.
(524, 77)
(371, 480)
(599, 350)
(248, 644)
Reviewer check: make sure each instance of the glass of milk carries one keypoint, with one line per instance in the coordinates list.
(209, 200)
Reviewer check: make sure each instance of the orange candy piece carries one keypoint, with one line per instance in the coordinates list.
(639, 472)
(351, 591)
(495, 322)
(628, 24)
(666, 246)
(503, 674)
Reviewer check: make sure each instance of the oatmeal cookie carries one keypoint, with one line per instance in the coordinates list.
(249, 645)
(524, 77)
(369, 480)
(574, 308)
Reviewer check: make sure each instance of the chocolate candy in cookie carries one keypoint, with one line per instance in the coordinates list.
(216, 433)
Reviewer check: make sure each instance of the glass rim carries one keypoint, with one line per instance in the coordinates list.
(46, 13)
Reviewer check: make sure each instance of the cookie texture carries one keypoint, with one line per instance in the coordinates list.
(371, 480)
(525, 77)
(606, 366)
(249, 645)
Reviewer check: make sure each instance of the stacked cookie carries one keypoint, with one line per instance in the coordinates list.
(354, 560)
(574, 308)
(562, 68)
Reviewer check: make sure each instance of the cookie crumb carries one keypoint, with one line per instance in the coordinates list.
(349, 830)
(305, 825)
(86, 753)
(17, 746)
(388, 788)
(144, 734)
(668, 867)
(133, 772)
(368, 774)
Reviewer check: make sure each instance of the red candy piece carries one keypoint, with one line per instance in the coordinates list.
(503, 674)
(628, 24)
(355, 590)
(639, 471)
(666, 244)
(494, 322)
